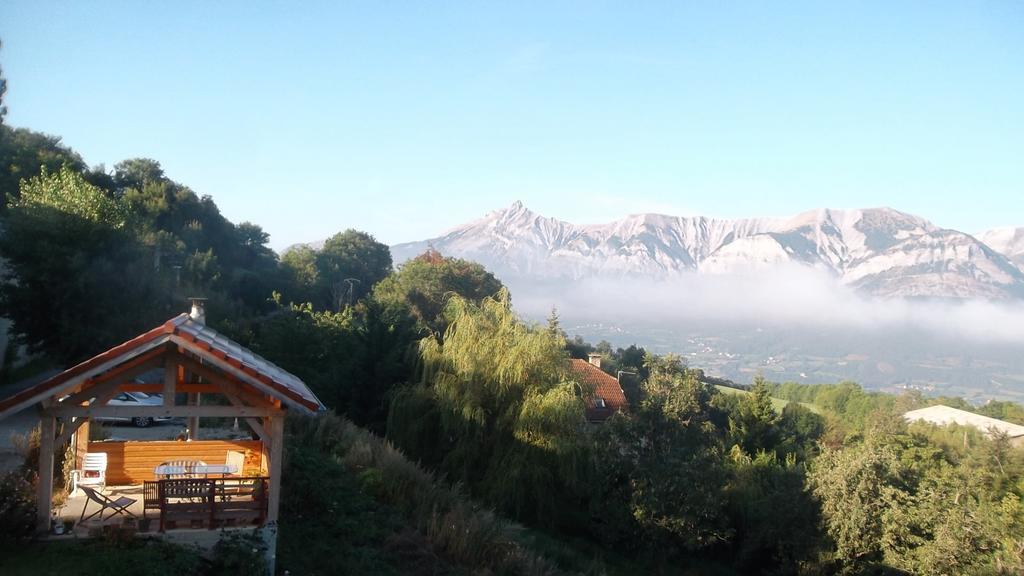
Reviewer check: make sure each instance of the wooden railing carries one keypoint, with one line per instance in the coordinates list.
(209, 502)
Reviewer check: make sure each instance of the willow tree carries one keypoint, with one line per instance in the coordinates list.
(495, 409)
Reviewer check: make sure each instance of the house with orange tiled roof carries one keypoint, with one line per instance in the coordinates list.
(608, 397)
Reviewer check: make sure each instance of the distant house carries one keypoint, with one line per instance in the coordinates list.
(944, 415)
(608, 397)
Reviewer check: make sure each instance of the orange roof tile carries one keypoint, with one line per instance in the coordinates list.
(605, 387)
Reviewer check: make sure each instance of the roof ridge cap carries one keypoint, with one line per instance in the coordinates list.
(172, 324)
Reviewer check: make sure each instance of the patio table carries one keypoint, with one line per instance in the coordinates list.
(200, 470)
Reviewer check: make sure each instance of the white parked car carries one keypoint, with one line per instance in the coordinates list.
(136, 399)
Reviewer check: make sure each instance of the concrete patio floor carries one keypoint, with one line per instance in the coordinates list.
(204, 538)
(72, 508)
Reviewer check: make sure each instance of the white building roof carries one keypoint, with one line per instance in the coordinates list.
(945, 415)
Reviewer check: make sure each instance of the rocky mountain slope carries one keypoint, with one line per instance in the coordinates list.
(1007, 241)
(881, 251)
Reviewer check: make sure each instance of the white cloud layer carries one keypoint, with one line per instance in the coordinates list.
(793, 297)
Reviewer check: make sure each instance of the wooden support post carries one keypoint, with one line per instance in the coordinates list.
(170, 379)
(193, 421)
(44, 499)
(81, 443)
(276, 454)
(70, 427)
(265, 446)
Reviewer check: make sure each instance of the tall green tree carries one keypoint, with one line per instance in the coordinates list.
(351, 359)
(424, 284)
(860, 488)
(301, 276)
(349, 265)
(752, 424)
(212, 256)
(775, 519)
(24, 153)
(663, 463)
(496, 411)
(76, 280)
(135, 173)
(896, 499)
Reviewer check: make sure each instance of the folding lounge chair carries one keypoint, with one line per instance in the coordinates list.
(119, 506)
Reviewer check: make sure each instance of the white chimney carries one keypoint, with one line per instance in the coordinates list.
(594, 359)
(198, 313)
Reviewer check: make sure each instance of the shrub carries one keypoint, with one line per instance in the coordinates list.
(240, 553)
(63, 461)
(17, 508)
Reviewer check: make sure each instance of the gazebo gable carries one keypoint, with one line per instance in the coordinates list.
(182, 346)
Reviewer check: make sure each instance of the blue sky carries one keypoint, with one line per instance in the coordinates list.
(404, 119)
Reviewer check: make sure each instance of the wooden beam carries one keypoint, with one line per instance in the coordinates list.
(170, 379)
(254, 423)
(193, 421)
(159, 388)
(124, 372)
(265, 446)
(81, 442)
(99, 395)
(162, 411)
(225, 382)
(223, 364)
(107, 396)
(44, 498)
(86, 395)
(28, 398)
(276, 453)
(69, 429)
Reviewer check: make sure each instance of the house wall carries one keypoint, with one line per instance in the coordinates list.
(135, 462)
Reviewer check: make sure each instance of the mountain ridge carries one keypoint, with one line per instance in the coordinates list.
(882, 251)
(1007, 241)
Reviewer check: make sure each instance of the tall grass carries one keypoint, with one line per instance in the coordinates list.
(457, 529)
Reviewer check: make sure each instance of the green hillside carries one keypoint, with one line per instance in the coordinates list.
(777, 403)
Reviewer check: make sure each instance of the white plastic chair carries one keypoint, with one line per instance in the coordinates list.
(94, 470)
(236, 460)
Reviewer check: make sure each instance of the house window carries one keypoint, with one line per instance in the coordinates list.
(600, 403)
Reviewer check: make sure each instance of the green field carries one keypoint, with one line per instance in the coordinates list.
(777, 403)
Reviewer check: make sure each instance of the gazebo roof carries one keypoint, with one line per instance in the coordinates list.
(196, 338)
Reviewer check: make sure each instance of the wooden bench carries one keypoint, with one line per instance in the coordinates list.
(210, 502)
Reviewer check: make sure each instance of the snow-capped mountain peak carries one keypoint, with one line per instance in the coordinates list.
(880, 250)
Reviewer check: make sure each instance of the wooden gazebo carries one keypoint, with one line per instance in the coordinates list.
(195, 360)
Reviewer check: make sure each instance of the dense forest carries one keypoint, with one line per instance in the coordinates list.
(431, 357)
